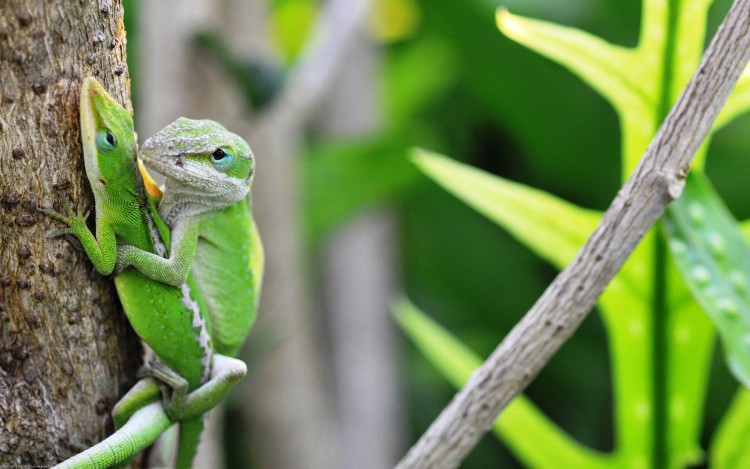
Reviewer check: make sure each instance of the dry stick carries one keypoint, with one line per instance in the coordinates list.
(658, 179)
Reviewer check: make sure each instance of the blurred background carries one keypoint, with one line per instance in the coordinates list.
(332, 96)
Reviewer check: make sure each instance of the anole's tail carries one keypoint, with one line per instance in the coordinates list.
(190, 435)
(137, 434)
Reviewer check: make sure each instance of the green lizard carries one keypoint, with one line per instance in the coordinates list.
(207, 202)
(206, 205)
(169, 319)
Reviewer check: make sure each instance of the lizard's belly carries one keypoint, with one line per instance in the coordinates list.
(169, 322)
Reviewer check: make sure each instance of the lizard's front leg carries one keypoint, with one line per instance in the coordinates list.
(100, 248)
(172, 270)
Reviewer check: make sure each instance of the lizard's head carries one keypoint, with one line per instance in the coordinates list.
(108, 137)
(202, 157)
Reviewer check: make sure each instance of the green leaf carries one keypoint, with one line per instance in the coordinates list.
(714, 260)
(627, 78)
(532, 436)
(552, 228)
(729, 448)
(613, 71)
(633, 81)
(291, 24)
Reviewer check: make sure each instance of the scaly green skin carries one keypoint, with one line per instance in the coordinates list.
(140, 431)
(206, 204)
(168, 318)
(140, 420)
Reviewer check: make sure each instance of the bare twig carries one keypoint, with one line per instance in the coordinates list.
(658, 179)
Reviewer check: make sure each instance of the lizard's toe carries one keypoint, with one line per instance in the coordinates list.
(58, 233)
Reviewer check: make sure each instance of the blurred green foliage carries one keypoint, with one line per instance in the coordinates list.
(291, 22)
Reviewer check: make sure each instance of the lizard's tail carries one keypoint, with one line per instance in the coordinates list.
(137, 434)
(190, 435)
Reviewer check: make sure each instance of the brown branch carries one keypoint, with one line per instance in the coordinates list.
(66, 350)
(658, 179)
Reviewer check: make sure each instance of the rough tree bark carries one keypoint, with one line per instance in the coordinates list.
(66, 351)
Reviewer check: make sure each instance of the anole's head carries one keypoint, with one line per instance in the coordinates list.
(202, 158)
(108, 138)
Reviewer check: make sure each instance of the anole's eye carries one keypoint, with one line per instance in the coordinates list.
(221, 158)
(105, 140)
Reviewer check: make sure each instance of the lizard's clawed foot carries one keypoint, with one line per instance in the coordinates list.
(178, 404)
(71, 218)
(174, 387)
(58, 233)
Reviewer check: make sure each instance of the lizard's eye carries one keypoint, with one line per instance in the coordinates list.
(105, 140)
(221, 158)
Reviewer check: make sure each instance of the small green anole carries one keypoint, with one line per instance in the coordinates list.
(170, 319)
(206, 205)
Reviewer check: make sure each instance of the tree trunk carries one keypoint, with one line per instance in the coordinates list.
(66, 350)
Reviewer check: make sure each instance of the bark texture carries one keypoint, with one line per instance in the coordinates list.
(66, 349)
(658, 180)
